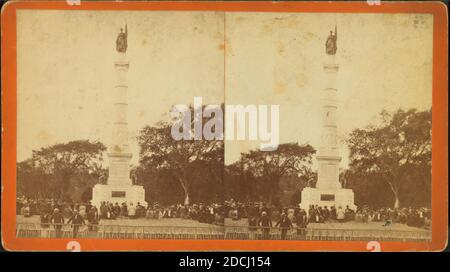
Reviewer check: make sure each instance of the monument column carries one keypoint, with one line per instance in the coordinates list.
(119, 187)
(328, 191)
(328, 157)
(118, 151)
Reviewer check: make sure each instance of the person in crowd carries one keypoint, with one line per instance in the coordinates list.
(234, 213)
(140, 210)
(301, 222)
(67, 211)
(349, 214)
(131, 211)
(266, 224)
(117, 210)
(340, 214)
(57, 219)
(103, 210)
(124, 209)
(93, 218)
(77, 221)
(285, 224)
(291, 213)
(112, 212)
(183, 211)
(325, 214)
(370, 216)
(333, 213)
(218, 215)
(252, 213)
(274, 213)
(25, 211)
(45, 219)
(150, 212)
(82, 210)
(358, 216)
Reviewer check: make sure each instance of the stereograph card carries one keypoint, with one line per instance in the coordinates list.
(224, 126)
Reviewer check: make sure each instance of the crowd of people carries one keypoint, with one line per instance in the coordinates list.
(259, 215)
(58, 213)
(263, 215)
(203, 213)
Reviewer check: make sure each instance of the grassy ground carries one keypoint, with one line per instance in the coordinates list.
(169, 222)
(172, 222)
(125, 228)
(345, 225)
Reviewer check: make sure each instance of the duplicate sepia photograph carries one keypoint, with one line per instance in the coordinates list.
(216, 125)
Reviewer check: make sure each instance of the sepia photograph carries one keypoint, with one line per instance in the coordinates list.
(217, 125)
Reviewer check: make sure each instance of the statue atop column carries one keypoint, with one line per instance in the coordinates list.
(121, 41)
(331, 44)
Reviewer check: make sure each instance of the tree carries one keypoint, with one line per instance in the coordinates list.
(398, 151)
(190, 162)
(239, 184)
(32, 181)
(61, 162)
(269, 166)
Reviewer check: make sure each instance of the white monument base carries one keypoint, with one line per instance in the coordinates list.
(327, 197)
(118, 193)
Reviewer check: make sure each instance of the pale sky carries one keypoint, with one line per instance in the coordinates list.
(65, 69)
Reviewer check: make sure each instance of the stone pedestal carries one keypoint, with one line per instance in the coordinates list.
(118, 193)
(119, 187)
(327, 197)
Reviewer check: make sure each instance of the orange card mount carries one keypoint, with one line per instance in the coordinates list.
(60, 58)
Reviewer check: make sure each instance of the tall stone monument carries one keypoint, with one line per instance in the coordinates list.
(119, 187)
(328, 191)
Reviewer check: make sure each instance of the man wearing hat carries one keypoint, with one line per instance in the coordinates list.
(57, 220)
(76, 220)
(265, 223)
